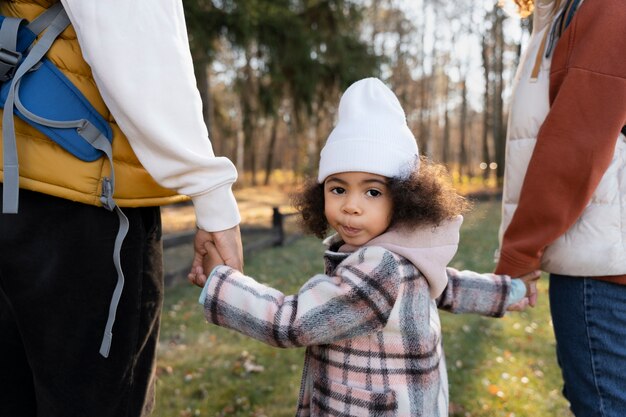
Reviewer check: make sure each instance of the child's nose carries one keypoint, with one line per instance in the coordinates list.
(351, 206)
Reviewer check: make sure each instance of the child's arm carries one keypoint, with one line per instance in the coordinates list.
(356, 300)
(486, 294)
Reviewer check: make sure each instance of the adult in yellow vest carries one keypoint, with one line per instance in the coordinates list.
(131, 60)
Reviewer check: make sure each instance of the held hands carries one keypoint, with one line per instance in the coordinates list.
(530, 281)
(215, 248)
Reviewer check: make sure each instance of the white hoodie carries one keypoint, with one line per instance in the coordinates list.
(139, 54)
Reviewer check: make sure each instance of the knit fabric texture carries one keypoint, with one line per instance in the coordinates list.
(371, 135)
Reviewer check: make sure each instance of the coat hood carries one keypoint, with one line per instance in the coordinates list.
(429, 248)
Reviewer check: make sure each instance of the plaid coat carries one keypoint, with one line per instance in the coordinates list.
(371, 329)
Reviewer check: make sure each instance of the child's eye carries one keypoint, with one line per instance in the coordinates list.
(337, 190)
(373, 193)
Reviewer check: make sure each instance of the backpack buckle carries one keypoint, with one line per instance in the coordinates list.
(9, 61)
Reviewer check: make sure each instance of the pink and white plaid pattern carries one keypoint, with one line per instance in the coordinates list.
(371, 329)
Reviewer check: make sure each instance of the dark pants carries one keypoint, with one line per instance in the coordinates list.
(589, 318)
(56, 281)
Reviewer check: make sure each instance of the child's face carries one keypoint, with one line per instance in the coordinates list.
(357, 205)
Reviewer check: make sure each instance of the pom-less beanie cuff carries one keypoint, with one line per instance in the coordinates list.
(358, 155)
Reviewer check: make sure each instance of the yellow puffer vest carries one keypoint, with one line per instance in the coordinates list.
(47, 168)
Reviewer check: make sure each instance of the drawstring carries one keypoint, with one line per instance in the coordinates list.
(539, 58)
(554, 33)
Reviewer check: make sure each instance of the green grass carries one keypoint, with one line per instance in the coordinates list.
(500, 367)
(497, 367)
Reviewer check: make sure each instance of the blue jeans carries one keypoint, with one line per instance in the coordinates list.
(589, 318)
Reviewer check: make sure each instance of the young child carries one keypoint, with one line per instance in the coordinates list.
(370, 322)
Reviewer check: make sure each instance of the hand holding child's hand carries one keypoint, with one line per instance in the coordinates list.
(530, 281)
(212, 249)
(210, 260)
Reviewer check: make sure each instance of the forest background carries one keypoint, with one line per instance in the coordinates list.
(271, 73)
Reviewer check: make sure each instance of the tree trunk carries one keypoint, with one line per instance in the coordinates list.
(202, 81)
(463, 159)
(445, 151)
(498, 108)
(247, 106)
(426, 90)
(269, 161)
(240, 152)
(486, 157)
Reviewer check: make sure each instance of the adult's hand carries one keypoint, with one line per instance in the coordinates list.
(215, 248)
(530, 299)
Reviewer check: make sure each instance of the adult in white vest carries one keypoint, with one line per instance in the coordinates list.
(564, 202)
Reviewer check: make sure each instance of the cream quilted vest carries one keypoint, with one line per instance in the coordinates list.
(47, 168)
(595, 244)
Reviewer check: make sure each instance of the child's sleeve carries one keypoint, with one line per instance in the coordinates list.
(356, 300)
(518, 291)
(471, 292)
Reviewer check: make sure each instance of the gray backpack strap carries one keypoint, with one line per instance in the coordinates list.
(91, 133)
(56, 20)
(9, 57)
(11, 167)
(119, 286)
(41, 22)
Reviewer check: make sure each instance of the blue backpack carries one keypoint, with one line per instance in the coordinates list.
(33, 89)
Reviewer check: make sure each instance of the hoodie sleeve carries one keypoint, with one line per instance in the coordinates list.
(471, 292)
(356, 300)
(576, 142)
(139, 55)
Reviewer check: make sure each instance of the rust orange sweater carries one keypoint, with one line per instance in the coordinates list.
(576, 142)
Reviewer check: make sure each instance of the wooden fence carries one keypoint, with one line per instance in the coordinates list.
(254, 239)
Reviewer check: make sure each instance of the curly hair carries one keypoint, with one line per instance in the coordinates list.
(426, 197)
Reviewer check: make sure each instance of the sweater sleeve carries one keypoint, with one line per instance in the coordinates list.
(139, 55)
(576, 142)
(471, 292)
(356, 300)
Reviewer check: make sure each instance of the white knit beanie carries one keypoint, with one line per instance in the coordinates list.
(371, 134)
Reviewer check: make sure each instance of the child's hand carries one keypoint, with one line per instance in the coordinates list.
(215, 248)
(530, 281)
(210, 259)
